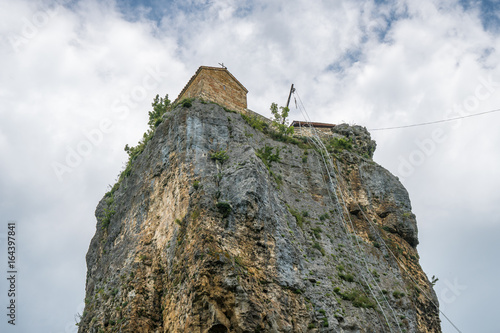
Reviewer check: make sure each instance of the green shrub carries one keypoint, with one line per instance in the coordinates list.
(316, 231)
(266, 155)
(239, 261)
(280, 121)
(109, 210)
(324, 217)
(219, 155)
(362, 301)
(358, 299)
(346, 277)
(298, 217)
(285, 138)
(406, 214)
(196, 184)
(224, 208)
(339, 144)
(195, 214)
(187, 103)
(398, 294)
(256, 122)
(160, 107)
(318, 247)
(434, 280)
(134, 152)
(229, 110)
(277, 178)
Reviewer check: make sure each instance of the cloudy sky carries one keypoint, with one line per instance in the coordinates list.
(77, 79)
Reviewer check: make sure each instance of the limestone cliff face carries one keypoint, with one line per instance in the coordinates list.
(203, 235)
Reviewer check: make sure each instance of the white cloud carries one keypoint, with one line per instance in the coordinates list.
(66, 69)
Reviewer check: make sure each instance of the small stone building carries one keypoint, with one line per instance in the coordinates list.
(216, 84)
(303, 128)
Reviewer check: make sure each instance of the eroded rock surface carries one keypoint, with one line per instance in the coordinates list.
(203, 244)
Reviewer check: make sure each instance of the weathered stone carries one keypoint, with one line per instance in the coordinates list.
(216, 85)
(284, 259)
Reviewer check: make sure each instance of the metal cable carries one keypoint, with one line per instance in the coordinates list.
(330, 170)
(313, 130)
(404, 268)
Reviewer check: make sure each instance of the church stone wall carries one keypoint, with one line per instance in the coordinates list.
(307, 131)
(217, 85)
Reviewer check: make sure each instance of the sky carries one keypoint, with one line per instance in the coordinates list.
(78, 78)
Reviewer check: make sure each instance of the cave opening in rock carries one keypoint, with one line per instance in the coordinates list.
(219, 328)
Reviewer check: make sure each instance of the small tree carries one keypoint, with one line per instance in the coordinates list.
(434, 280)
(160, 106)
(280, 121)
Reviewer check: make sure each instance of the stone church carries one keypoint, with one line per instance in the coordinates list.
(216, 84)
